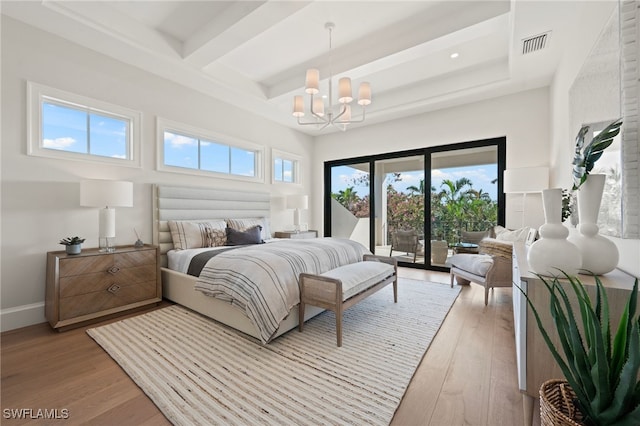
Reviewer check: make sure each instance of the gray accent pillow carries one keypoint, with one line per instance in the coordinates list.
(249, 236)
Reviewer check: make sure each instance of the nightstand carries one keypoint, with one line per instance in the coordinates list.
(94, 284)
(297, 235)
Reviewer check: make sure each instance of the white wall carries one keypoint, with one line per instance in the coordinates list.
(523, 118)
(40, 197)
(593, 19)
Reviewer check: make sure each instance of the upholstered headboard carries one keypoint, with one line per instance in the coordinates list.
(181, 203)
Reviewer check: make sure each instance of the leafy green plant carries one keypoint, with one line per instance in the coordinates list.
(71, 241)
(585, 157)
(603, 374)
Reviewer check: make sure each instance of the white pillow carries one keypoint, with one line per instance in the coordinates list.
(188, 234)
(246, 223)
(504, 234)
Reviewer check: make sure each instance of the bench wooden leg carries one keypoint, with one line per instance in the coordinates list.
(339, 325)
(395, 291)
(300, 316)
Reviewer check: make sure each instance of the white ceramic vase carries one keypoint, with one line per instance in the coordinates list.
(553, 255)
(599, 254)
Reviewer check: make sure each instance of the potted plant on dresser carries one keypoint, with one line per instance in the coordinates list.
(601, 369)
(73, 245)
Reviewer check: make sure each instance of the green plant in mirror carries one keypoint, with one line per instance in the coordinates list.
(585, 157)
(602, 372)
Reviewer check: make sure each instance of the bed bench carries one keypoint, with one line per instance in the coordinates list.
(343, 287)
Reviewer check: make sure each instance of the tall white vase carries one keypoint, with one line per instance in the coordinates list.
(553, 254)
(599, 254)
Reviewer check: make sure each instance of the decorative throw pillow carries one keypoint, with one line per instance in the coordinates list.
(187, 234)
(246, 223)
(504, 234)
(240, 238)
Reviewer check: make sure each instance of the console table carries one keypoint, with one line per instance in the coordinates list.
(535, 362)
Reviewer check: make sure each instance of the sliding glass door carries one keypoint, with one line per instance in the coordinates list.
(418, 206)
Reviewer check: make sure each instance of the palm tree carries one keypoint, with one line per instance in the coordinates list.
(347, 197)
(417, 189)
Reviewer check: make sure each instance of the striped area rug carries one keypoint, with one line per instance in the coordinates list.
(199, 372)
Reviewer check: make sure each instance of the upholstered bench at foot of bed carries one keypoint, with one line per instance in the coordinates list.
(343, 287)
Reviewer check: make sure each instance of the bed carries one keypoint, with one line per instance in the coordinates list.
(190, 204)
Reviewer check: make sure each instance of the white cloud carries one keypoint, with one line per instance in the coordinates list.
(58, 143)
(178, 141)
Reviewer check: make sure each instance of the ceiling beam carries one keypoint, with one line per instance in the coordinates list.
(240, 23)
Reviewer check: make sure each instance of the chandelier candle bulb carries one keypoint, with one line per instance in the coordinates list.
(298, 106)
(364, 94)
(312, 81)
(344, 90)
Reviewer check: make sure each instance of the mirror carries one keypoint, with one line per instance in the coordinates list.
(604, 90)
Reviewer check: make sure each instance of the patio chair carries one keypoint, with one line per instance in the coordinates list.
(407, 241)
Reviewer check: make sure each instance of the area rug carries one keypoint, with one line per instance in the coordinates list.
(198, 371)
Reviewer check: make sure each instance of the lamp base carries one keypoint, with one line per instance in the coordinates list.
(106, 245)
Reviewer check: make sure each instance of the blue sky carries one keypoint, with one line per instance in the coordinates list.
(481, 176)
(66, 129)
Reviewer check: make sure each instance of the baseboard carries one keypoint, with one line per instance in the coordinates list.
(22, 316)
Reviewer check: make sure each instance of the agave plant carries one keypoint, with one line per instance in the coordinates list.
(603, 374)
(585, 157)
(71, 241)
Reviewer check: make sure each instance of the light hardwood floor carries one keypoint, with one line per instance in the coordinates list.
(467, 377)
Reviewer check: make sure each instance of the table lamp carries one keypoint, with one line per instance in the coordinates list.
(106, 194)
(297, 202)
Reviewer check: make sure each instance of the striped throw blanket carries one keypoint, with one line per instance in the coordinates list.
(262, 280)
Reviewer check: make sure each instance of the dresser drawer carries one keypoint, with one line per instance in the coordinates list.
(112, 297)
(89, 283)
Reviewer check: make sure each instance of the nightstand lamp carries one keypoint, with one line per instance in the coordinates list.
(106, 194)
(297, 202)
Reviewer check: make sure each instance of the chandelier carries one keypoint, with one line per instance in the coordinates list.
(338, 116)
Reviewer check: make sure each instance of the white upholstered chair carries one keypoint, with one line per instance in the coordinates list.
(491, 268)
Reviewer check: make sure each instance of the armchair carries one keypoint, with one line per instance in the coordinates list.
(491, 268)
(406, 241)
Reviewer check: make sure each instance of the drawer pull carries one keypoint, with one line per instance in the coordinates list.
(114, 289)
(113, 270)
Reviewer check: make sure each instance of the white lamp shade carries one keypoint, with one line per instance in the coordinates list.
(344, 90)
(525, 180)
(312, 81)
(106, 193)
(297, 202)
(364, 94)
(318, 107)
(298, 106)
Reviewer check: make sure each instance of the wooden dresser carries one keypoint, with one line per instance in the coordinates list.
(92, 285)
(535, 362)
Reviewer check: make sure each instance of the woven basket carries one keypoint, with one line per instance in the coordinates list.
(556, 404)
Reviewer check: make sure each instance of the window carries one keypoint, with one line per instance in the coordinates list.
(286, 167)
(186, 149)
(65, 125)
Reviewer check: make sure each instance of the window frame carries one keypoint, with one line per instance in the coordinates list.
(38, 94)
(163, 124)
(296, 167)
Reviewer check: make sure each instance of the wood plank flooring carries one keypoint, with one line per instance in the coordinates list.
(467, 377)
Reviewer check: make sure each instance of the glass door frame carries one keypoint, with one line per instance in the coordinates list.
(500, 143)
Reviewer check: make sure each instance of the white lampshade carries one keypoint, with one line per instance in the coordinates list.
(525, 180)
(318, 107)
(364, 94)
(344, 90)
(312, 81)
(297, 202)
(298, 106)
(106, 193)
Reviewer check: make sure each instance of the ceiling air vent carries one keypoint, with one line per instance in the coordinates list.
(535, 43)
